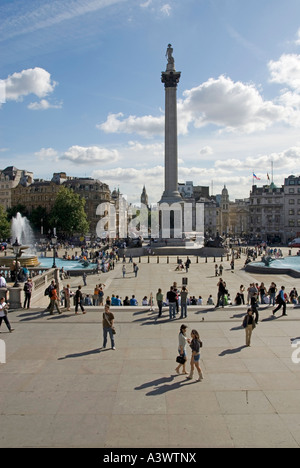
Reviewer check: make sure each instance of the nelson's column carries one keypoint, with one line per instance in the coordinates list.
(168, 219)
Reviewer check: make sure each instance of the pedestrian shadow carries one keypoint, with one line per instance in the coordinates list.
(83, 353)
(28, 316)
(164, 385)
(270, 318)
(238, 315)
(232, 350)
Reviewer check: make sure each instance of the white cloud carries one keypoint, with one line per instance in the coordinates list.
(286, 161)
(47, 153)
(146, 126)
(235, 106)
(33, 16)
(90, 154)
(146, 4)
(206, 151)
(297, 41)
(286, 71)
(166, 9)
(31, 81)
(43, 105)
(155, 149)
(232, 106)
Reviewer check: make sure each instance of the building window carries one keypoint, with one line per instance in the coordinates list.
(291, 201)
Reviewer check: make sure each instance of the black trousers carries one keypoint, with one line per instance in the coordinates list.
(281, 304)
(6, 321)
(27, 300)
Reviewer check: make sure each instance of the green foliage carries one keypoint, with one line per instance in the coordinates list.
(4, 224)
(19, 208)
(39, 217)
(67, 214)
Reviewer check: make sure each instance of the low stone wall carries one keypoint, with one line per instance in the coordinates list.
(272, 271)
(16, 296)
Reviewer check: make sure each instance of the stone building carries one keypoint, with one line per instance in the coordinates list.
(42, 193)
(267, 213)
(10, 177)
(291, 189)
(94, 192)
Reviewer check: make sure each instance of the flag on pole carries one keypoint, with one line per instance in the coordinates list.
(255, 177)
(268, 177)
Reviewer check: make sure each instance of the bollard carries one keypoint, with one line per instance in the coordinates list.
(205, 259)
(221, 258)
(157, 259)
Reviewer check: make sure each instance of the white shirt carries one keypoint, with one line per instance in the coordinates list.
(2, 313)
(2, 282)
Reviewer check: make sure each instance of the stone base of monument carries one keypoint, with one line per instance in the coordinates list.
(15, 297)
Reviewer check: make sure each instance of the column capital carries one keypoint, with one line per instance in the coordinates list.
(170, 79)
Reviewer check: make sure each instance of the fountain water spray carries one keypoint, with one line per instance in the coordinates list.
(21, 230)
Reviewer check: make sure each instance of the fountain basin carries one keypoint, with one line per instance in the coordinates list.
(25, 261)
(281, 266)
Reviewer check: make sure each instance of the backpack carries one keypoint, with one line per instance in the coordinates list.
(47, 291)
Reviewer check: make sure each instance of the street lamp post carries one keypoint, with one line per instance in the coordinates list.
(54, 241)
(17, 251)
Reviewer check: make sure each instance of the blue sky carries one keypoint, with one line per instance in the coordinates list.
(80, 90)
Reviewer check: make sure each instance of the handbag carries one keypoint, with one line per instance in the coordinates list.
(112, 328)
(180, 359)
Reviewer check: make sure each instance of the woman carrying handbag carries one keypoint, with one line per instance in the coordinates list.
(108, 327)
(182, 340)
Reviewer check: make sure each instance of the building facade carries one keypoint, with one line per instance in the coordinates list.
(10, 177)
(42, 193)
(291, 189)
(267, 219)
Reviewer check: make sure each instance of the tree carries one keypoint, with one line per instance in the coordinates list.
(12, 212)
(39, 218)
(4, 225)
(67, 214)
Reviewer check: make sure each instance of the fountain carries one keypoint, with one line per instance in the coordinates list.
(21, 231)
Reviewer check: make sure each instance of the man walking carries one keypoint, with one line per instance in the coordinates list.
(79, 300)
(54, 300)
(281, 302)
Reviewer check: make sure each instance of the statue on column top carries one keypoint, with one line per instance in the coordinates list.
(169, 55)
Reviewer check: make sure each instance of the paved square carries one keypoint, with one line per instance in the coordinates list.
(59, 390)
